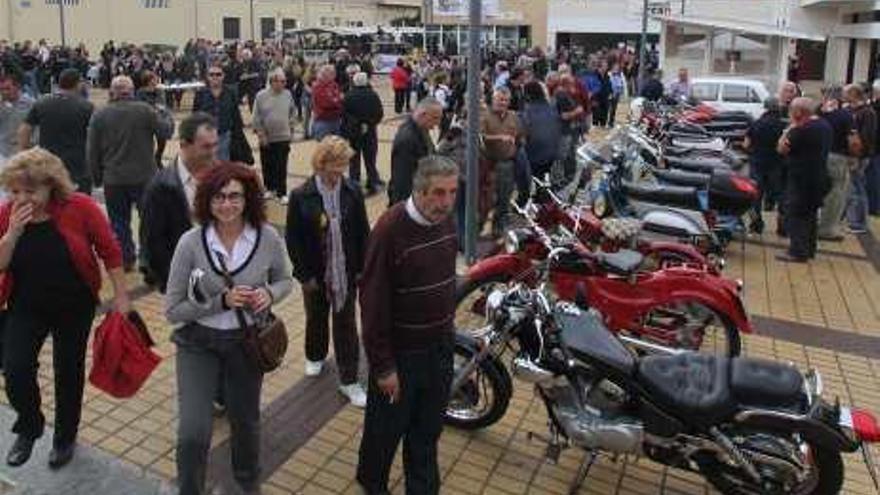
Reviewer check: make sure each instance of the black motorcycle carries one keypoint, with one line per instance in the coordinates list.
(748, 426)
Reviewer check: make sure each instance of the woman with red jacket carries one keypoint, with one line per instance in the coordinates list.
(400, 83)
(49, 235)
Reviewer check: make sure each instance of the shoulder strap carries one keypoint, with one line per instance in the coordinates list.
(230, 283)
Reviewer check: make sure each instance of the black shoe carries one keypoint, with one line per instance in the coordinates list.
(60, 456)
(790, 259)
(20, 451)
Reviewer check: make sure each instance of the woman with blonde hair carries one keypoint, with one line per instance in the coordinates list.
(327, 229)
(49, 238)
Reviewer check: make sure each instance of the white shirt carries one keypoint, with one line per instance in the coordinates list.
(188, 181)
(415, 214)
(241, 251)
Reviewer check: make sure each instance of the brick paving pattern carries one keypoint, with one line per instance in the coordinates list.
(840, 290)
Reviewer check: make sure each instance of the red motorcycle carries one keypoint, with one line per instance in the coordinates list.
(610, 235)
(675, 306)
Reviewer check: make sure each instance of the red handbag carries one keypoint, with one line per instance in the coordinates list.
(121, 356)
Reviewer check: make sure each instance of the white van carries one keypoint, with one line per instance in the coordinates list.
(731, 94)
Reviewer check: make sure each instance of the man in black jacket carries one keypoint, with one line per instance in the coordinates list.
(412, 143)
(168, 199)
(362, 112)
(327, 229)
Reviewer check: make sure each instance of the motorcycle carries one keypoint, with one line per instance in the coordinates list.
(748, 426)
(678, 306)
(551, 212)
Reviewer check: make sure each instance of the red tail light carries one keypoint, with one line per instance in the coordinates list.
(865, 426)
(745, 185)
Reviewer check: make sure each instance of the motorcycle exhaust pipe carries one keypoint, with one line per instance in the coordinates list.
(650, 346)
(528, 371)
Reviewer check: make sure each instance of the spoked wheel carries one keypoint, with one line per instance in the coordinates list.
(693, 326)
(821, 474)
(484, 396)
(471, 296)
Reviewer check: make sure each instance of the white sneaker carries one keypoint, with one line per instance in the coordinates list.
(355, 393)
(268, 195)
(284, 200)
(313, 368)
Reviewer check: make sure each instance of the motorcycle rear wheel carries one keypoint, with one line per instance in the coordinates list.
(826, 477)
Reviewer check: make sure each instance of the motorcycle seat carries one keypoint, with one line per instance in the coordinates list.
(622, 262)
(584, 334)
(681, 196)
(765, 383)
(682, 177)
(693, 386)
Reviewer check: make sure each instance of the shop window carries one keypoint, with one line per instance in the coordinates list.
(231, 28)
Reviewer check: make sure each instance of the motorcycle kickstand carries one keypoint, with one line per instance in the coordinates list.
(583, 471)
(554, 446)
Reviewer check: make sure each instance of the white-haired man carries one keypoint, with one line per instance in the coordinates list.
(121, 155)
(274, 120)
(363, 113)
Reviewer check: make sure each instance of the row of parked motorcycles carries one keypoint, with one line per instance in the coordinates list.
(611, 299)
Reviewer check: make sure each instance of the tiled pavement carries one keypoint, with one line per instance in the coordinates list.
(311, 437)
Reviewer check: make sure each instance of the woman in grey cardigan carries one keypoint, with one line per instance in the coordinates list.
(210, 353)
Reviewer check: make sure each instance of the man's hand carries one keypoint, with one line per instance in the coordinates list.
(390, 386)
(122, 303)
(784, 145)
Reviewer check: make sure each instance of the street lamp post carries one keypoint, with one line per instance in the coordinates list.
(253, 38)
(61, 18)
(643, 50)
(473, 122)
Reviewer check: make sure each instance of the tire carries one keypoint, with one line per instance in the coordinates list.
(489, 376)
(828, 466)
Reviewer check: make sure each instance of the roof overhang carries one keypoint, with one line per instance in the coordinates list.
(739, 27)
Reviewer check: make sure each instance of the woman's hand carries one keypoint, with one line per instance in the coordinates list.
(261, 300)
(238, 297)
(122, 303)
(22, 214)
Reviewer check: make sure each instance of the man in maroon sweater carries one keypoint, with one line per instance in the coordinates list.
(407, 302)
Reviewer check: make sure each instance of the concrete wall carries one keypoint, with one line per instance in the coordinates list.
(595, 16)
(513, 13)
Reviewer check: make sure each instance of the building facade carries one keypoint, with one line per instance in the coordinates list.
(819, 40)
(591, 25)
(173, 22)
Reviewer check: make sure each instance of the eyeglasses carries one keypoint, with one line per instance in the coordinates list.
(233, 198)
(215, 74)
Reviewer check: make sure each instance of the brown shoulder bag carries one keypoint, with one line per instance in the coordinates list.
(266, 340)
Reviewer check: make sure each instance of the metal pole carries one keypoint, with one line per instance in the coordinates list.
(196, 19)
(473, 143)
(643, 50)
(61, 17)
(252, 21)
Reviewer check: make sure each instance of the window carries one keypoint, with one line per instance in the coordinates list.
(288, 24)
(156, 4)
(66, 2)
(739, 93)
(330, 21)
(267, 27)
(705, 91)
(231, 28)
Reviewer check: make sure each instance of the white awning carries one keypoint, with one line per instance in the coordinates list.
(740, 27)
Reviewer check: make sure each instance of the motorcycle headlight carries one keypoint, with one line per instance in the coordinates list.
(600, 206)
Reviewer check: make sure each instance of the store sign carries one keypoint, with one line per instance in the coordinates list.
(461, 8)
(659, 8)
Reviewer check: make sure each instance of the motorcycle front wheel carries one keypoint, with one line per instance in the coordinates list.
(484, 396)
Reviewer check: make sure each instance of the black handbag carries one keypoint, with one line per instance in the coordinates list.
(266, 340)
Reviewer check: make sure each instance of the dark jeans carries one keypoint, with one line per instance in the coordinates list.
(417, 418)
(204, 355)
(401, 97)
(612, 110)
(345, 339)
(872, 185)
(802, 223)
(366, 145)
(600, 113)
(24, 335)
(523, 175)
(120, 200)
(273, 159)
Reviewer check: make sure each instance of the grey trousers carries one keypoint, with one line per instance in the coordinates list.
(202, 353)
(835, 201)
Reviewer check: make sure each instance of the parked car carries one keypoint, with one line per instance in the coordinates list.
(731, 94)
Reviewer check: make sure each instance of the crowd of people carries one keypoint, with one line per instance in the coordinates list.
(205, 243)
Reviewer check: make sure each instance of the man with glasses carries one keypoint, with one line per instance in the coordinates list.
(221, 102)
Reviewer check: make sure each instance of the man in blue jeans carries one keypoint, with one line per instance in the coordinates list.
(121, 156)
(865, 125)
